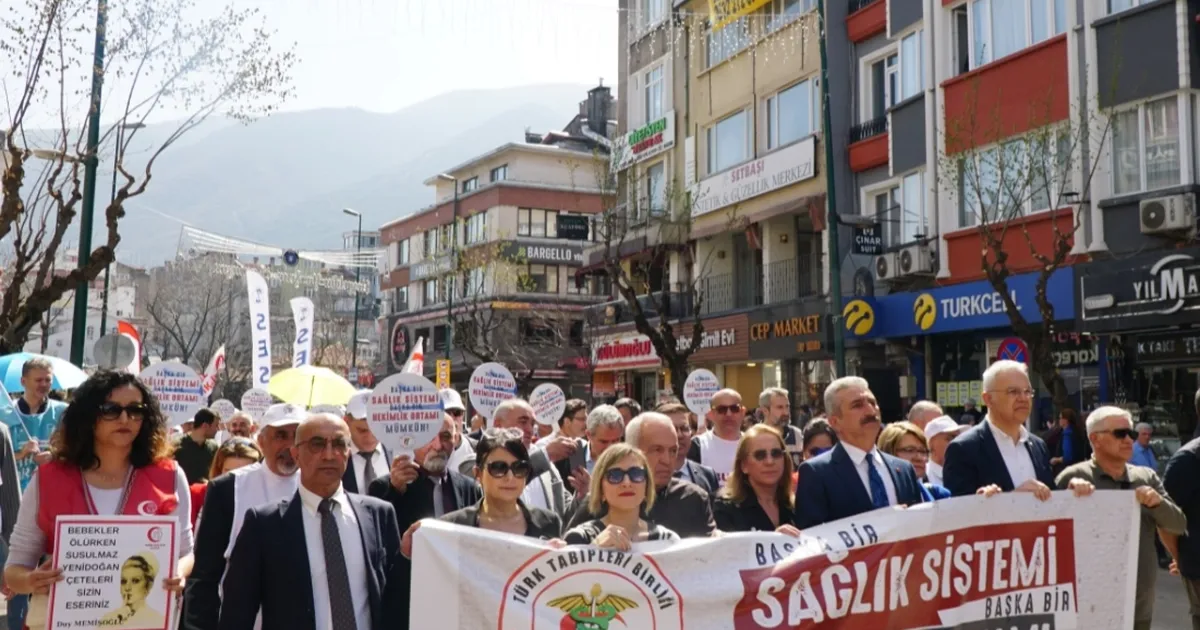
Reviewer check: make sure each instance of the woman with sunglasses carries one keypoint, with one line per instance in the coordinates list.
(235, 453)
(502, 470)
(622, 491)
(818, 437)
(907, 441)
(758, 494)
(111, 457)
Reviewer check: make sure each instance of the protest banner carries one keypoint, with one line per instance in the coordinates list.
(223, 408)
(698, 391)
(259, 301)
(404, 412)
(970, 563)
(548, 402)
(255, 402)
(179, 389)
(113, 571)
(491, 384)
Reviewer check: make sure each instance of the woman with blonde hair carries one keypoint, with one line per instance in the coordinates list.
(621, 490)
(235, 453)
(907, 441)
(138, 574)
(758, 494)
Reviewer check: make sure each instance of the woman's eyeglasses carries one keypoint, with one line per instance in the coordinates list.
(520, 470)
(762, 454)
(913, 451)
(112, 411)
(637, 474)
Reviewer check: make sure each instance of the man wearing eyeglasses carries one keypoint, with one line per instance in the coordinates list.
(368, 458)
(1000, 454)
(1111, 432)
(718, 448)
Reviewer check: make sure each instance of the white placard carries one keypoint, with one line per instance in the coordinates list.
(491, 384)
(255, 402)
(698, 391)
(97, 553)
(223, 408)
(336, 410)
(548, 402)
(404, 411)
(180, 391)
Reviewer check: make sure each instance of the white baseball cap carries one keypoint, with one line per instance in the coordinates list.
(943, 424)
(357, 407)
(451, 400)
(283, 414)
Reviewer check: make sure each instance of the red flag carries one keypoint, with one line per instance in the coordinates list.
(127, 330)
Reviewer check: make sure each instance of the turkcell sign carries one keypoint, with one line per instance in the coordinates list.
(968, 306)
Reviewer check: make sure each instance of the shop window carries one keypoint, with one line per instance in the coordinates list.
(538, 279)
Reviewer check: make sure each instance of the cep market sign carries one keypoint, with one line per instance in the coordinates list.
(970, 306)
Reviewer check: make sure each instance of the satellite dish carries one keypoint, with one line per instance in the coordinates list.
(114, 351)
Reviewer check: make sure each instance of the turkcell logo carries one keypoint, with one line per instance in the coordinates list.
(968, 306)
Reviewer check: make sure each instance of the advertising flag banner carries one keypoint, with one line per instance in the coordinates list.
(215, 365)
(302, 312)
(260, 329)
(970, 563)
(113, 568)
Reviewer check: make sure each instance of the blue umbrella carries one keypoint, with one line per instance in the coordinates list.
(66, 375)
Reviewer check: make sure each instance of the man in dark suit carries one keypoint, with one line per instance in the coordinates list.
(999, 454)
(854, 477)
(686, 469)
(323, 558)
(369, 460)
(680, 506)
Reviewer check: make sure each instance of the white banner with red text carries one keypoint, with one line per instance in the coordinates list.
(971, 563)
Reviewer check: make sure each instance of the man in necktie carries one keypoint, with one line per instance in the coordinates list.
(854, 477)
(369, 459)
(322, 559)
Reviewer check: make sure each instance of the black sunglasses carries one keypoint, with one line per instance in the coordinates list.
(520, 470)
(637, 474)
(724, 409)
(113, 411)
(1122, 434)
(762, 454)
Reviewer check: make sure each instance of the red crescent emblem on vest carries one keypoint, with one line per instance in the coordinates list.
(147, 508)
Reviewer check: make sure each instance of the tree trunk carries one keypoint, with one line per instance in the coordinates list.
(679, 374)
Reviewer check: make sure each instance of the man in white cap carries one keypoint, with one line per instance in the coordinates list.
(463, 456)
(368, 458)
(229, 497)
(940, 432)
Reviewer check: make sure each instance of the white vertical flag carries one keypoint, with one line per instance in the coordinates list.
(215, 365)
(260, 328)
(302, 311)
(416, 360)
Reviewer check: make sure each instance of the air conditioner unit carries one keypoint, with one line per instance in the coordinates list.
(885, 266)
(1167, 214)
(914, 260)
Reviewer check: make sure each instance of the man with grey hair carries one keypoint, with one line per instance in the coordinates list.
(718, 448)
(604, 426)
(545, 489)
(1000, 454)
(1110, 430)
(922, 412)
(776, 411)
(826, 490)
(1143, 455)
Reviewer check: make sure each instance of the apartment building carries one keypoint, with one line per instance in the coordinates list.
(719, 193)
(496, 254)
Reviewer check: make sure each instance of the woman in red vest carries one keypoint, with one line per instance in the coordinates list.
(111, 456)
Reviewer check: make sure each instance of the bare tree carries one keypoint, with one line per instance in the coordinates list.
(163, 57)
(999, 179)
(191, 311)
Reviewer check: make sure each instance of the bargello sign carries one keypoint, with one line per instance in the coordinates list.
(521, 251)
(1154, 289)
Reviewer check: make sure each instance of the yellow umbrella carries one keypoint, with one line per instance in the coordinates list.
(310, 385)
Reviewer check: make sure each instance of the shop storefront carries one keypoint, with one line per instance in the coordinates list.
(793, 344)
(1144, 310)
(723, 350)
(626, 365)
(941, 340)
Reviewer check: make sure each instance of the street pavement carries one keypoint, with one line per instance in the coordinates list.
(1170, 604)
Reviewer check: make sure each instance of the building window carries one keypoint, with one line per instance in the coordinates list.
(473, 286)
(537, 332)
(1019, 177)
(500, 173)
(431, 292)
(654, 94)
(784, 12)
(648, 13)
(541, 223)
(790, 115)
(728, 142)
(1002, 27)
(912, 71)
(912, 208)
(538, 279)
(400, 299)
(1116, 6)
(591, 235)
(470, 184)
(476, 228)
(402, 258)
(656, 188)
(728, 41)
(882, 87)
(431, 243)
(1146, 147)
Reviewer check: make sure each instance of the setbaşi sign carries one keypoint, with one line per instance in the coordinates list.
(784, 167)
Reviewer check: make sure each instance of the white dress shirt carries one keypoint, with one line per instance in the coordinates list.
(933, 472)
(859, 457)
(352, 551)
(1016, 455)
(378, 460)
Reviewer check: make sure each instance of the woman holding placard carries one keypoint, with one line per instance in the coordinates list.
(502, 470)
(111, 457)
(622, 490)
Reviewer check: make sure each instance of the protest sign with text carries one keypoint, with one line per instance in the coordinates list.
(179, 390)
(491, 384)
(404, 412)
(548, 402)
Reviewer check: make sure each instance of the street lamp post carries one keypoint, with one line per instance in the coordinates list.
(453, 264)
(357, 277)
(111, 198)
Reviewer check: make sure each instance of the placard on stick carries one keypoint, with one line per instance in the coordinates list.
(548, 402)
(698, 391)
(404, 411)
(180, 391)
(223, 408)
(491, 384)
(255, 402)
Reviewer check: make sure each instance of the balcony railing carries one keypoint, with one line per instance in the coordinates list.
(856, 5)
(789, 280)
(869, 129)
(724, 292)
(674, 305)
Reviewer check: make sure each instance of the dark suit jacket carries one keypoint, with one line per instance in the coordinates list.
(202, 599)
(748, 516)
(350, 481)
(829, 487)
(702, 476)
(682, 507)
(539, 523)
(1181, 479)
(567, 466)
(269, 566)
(973, 461)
